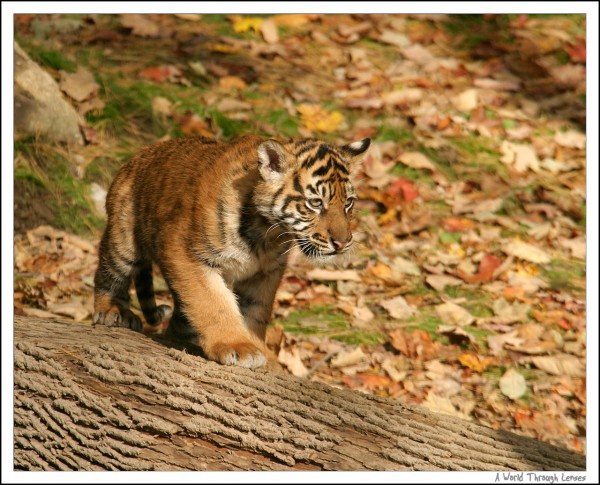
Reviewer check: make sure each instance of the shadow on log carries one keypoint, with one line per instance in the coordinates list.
(97, 398)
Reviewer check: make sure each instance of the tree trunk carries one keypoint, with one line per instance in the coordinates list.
(97, 398)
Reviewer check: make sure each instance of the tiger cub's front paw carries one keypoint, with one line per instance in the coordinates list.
(243, 354)
(116, 317)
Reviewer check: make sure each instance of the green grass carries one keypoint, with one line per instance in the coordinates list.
(54, 60)
(42, 167)
(326, 321)
(565, 274)
(281, 120)
(389, 133)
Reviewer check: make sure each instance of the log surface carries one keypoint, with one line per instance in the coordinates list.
(98, 398)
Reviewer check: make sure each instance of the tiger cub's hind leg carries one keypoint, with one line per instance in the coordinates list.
(144, 287)
(111, 285)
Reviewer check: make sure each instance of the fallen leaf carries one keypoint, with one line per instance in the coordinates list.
(405, 266)
(91, 105)
(141, 25)
(514, 312)
(418, 53)
(529, 284)
(394, 38)
(475, 362)
(293, 362)
(466, 101)
(458, 224)
(577, 52)
(402, 96)
(398, 308)
(292, 20)
(560, 365)
(487, 267)
(73, 309)
(456, 334)
(453, 314)
(395, 368)
(439, 404)
(192, 124)
(245, 23)
(315, 118)
(321, 274)
(439, 282)
(526, 251)
(497, 84)
(38, 313)
(232, 82)
(192, 17)
(362, 315)
(269, 31)
(366, 380)
(80, 85)
(520, 157)
(416, 345)
(416, 160)
(162, 106)
(230, 104)
(512, 384)
(577, 246)
(347, 358)
(162, 73)
(405, 187)
(570, 139)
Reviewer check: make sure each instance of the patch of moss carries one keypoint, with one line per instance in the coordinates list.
(389, 133)
(281, 120)
(565, 274)
(228, 126)
(54, 59)
(326, 321)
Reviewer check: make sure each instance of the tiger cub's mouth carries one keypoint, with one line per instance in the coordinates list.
(317, 251)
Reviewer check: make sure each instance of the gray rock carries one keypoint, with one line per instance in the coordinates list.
(39, 105)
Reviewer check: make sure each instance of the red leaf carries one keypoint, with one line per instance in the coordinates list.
(458, 224)
(489, 263)
(161, 73)
(577, 52)
(404, 186)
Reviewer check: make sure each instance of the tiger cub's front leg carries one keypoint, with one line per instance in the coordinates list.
(255, 297)
(211, 309)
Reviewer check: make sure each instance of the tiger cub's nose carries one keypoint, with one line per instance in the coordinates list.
(339, 245)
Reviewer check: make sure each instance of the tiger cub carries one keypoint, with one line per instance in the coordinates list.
(219, 220)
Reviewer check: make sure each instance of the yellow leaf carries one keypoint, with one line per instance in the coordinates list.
(243, 24)
(389, 216)
(474, 362)
(527, 269)
(291, 20)
(381, 271)
(315, 118)
(456, 250)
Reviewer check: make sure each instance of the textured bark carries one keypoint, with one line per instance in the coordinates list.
(97, 398)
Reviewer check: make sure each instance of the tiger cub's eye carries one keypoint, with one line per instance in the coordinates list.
(315, 203)
(350, 202)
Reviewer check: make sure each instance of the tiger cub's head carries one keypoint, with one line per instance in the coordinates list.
(306, 190)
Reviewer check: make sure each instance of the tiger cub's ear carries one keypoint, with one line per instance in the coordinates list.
(355, 151)
(272, 162)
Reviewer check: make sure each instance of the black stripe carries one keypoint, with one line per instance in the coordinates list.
(324, 170)
(340, 168)
(297, 185)
(305, 149)
(289, 199)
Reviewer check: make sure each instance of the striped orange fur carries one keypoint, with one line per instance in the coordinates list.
(219, 219)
